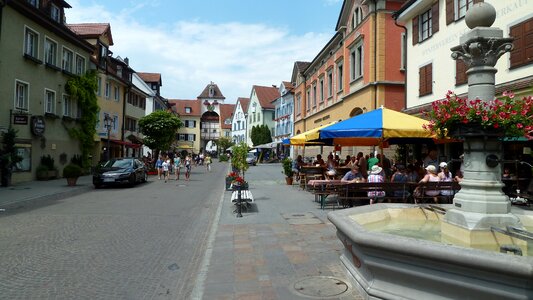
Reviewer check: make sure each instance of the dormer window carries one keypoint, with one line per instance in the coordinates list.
(187, 110)
(55, 13)
(154, 86)
(211, 91)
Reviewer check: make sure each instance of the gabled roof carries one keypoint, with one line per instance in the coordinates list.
(180, 105)
(151, 77)
(226, 110)
(217, 94)
(92, 30)
(266, 94)
(299, 68)
(244, 103)
(288, 86)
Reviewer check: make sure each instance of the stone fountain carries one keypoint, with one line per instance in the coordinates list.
(463, 261)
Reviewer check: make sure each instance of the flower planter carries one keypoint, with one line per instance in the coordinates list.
(288, 180)
(474, 130)
(72, 181)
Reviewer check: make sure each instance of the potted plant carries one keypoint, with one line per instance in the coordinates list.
(239, 182)
(71, 172)
(48, 162)
(287, 170)
(460, 117)
(229, 179)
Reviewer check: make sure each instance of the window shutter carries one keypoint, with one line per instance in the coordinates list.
(415, 30)
(435, 18)
(422, 81)
(450, 11)
(460, 72)
(517, 56)
(194, 124)
(194, 137)
(528, 41)
(429, 79)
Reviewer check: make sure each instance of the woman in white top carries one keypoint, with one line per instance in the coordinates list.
(166, 168)
(177, 167)
(431, 176)
(446, 176)
(375, 175)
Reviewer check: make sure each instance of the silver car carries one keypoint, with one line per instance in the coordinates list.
(251, 159)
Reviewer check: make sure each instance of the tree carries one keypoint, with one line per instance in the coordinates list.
(224, 143)
(8, 156)
(159, 129)
(238, 157)
(260, 135)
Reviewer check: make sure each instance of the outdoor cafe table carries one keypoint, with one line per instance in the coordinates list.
(324, 188)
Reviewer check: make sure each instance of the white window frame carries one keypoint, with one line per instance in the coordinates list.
(458, 4)
(357, 61)
(187, 110)
(115, 123)
(50, 58)
(107, 93)
(116, 93)
(321, 90)
(329, 75)
(425, 19)
(190, 137)
(49, 101)
(55, 13)
(314, 94)
(67, 105)
(24, 101)
(403, 51)
(80, 64)
(99, 86)
(67, 62)
(340, 76)
(31, 42)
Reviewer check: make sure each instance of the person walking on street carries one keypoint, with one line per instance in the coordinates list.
(159, 166)
(166, 168)
(188, 162)
(177, 167)
(208, 162)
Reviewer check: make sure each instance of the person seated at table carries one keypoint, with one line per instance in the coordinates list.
(431, 176)
(445, 176)
(376, 175)
(319, 161)
(346, 161)
(330, 165)
(400, 175)
(353, 176)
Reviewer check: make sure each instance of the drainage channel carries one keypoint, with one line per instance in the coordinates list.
(320, 287)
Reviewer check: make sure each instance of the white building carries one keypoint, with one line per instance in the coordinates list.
(261, 109)
(238, 123)
(284, 113)
(433, 27)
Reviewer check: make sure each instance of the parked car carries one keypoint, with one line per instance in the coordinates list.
(120, 171)
(251, 159)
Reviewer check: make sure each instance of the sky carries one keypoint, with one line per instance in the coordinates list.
(233, 43)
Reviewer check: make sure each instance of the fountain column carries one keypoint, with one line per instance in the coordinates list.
(481, 203)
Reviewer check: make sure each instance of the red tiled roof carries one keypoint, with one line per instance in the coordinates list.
(266, 95)
(288, 86)
(216, 95)
(226, 110)
(180, 104)
(92, 30)
(244, 103)
(150, 77)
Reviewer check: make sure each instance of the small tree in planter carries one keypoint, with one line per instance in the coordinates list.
(238, 159)
(287, 170)
(71, 172)
(8, 156)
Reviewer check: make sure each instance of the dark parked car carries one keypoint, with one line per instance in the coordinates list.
(120, 171)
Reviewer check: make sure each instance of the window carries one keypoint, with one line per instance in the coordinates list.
(107, 90)
(321, 90)
(456, 9)
(308, 94)
(460, 72)
(426, 24)
(21, 95)
(99, 86)
(55, 13)
(187, 110)
(49, 101)
(356, 61)
(116, 93)
(190, 124)
(33, 3)
(68, 57)
(31, 43)
(50, 52)
(357, 17)
(80, 65)
(330, 83)
(115, 123)
(522, 53)
(403, 54)
(182, 137)
(425, 80)
(339, 76)
(67, 106)
(191, 137)
(314, 94)
(299, 104)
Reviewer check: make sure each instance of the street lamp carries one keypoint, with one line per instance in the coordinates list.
(108, 122)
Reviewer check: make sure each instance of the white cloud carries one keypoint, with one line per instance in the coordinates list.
(190, 54)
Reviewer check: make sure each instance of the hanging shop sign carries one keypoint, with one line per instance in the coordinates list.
(20, 119)
(37, 125)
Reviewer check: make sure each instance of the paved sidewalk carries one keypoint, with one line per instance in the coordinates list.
(32, 192)
(282, 248)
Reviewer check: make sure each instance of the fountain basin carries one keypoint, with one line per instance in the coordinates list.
(389, 266)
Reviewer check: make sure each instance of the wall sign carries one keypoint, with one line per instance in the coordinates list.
(37, 125)
(20, 120)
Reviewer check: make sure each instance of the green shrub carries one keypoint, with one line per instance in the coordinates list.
(287, 167)
(223, 157)
(72, 171)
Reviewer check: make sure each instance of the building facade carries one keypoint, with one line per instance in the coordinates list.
(433, 27)
(238, 122)
(261, 109)
(284, 116)
(38, 56)
(188, 136)
(358, 70)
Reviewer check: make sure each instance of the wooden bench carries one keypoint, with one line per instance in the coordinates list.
(358, 192)
(420, 196)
